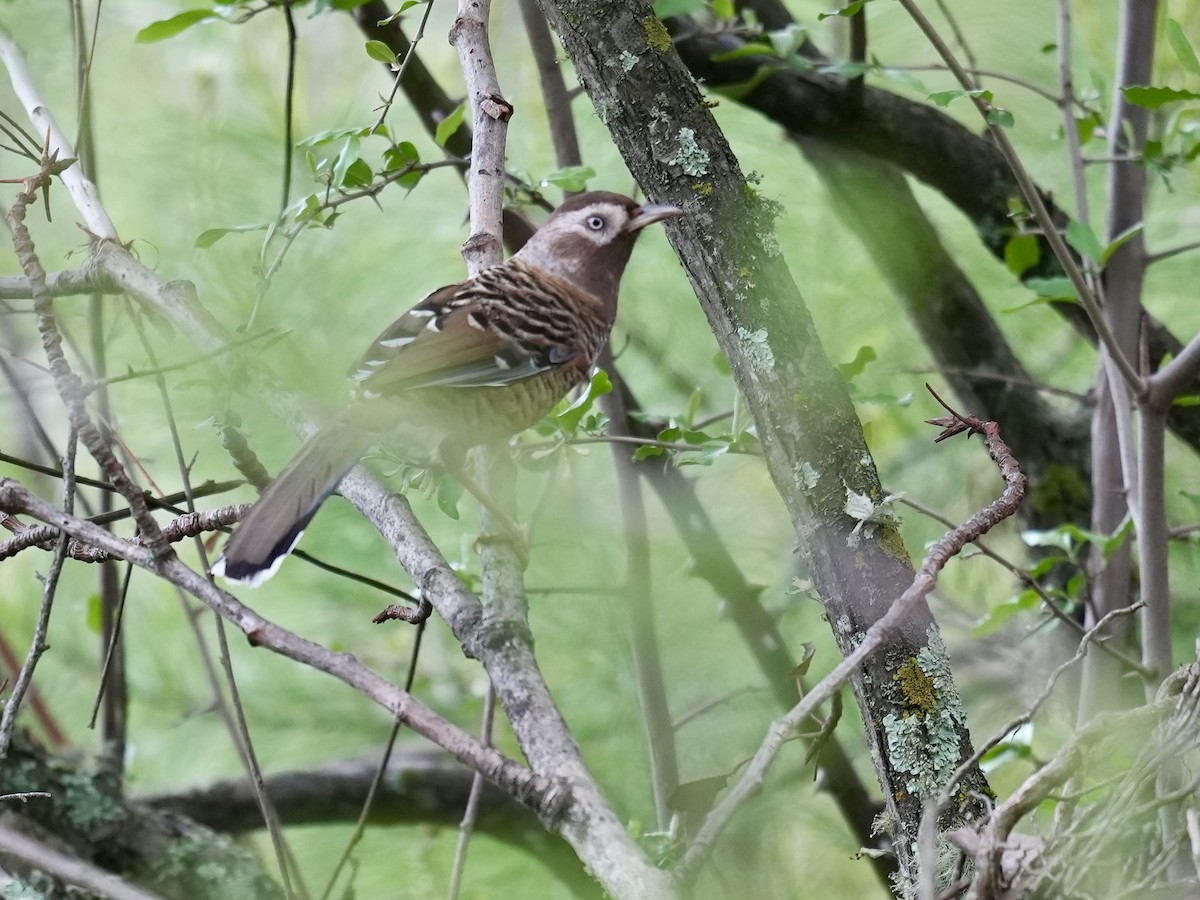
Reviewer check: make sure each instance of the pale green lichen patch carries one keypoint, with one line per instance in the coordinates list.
(923, 741)
(807, 476)
(690, 157)
(628, 61)
(869, 514)
(756, 348)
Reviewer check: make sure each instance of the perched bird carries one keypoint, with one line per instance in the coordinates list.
(471, 363)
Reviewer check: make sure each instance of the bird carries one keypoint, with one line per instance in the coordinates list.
(472, 363)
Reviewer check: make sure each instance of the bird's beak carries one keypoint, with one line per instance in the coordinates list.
(651, 213)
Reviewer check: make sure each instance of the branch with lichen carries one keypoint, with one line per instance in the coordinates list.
(930, 693)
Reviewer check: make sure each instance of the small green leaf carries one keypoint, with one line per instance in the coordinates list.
(1086, 126)
(998, 115)
(945, 98)
(449, 492)
(1186, 400)
(93, 616)
(570, 178)
(741, 89)
(1118, 242)
(1022, 253)
(359, 174)
(806, 658)
(1001, 614)
(751, 49)
(401, 156)
(570, 418)
(380, 52)
(1084, 241)
(1154, 97)
(449, 125)
(845, 12)
(165, 28)
(862, 358)
(1057, 288)
(348, 156)
(210, 236)
(1182, 48)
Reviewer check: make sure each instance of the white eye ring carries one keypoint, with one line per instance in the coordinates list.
(596, 223)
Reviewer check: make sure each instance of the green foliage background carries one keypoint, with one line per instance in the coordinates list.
(189, 136)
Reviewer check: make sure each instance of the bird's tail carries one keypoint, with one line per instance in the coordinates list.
(275, 523)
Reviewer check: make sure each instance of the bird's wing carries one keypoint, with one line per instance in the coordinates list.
(452, 339)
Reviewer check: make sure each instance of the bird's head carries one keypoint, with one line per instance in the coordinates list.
(588, 239)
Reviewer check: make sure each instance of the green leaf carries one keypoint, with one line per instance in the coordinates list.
(1086, 126)
(401, 156)
(92, 616)
(570, 418)
(348, 156)
(741, 89)
(1186, 400)
(1182, 48)
(1154, 97)
(210, 236)
(1084, 241)
(359, 174)
(998, 115)
(751, 49)
(449, 125)
(165, 28)
(449, 492)
(853, 369)
(810, 650)
(1118, 242)
(570, 178)
(845, 12)
(945, 98)
(1000, 615)
(1022, 253)
(1057, 288)
(380, 52)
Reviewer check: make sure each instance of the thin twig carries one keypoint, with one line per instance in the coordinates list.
(466, 828)
(403, 68)
(289, 91)
(360, 826)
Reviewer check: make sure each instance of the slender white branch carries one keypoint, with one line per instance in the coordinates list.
(83, 192)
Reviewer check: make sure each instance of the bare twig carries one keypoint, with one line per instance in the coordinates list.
(71, 869)
(381, 770)
(37, 645)
(466, 827)
(409, 55)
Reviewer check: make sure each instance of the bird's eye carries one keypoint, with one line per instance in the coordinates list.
(596, 223)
